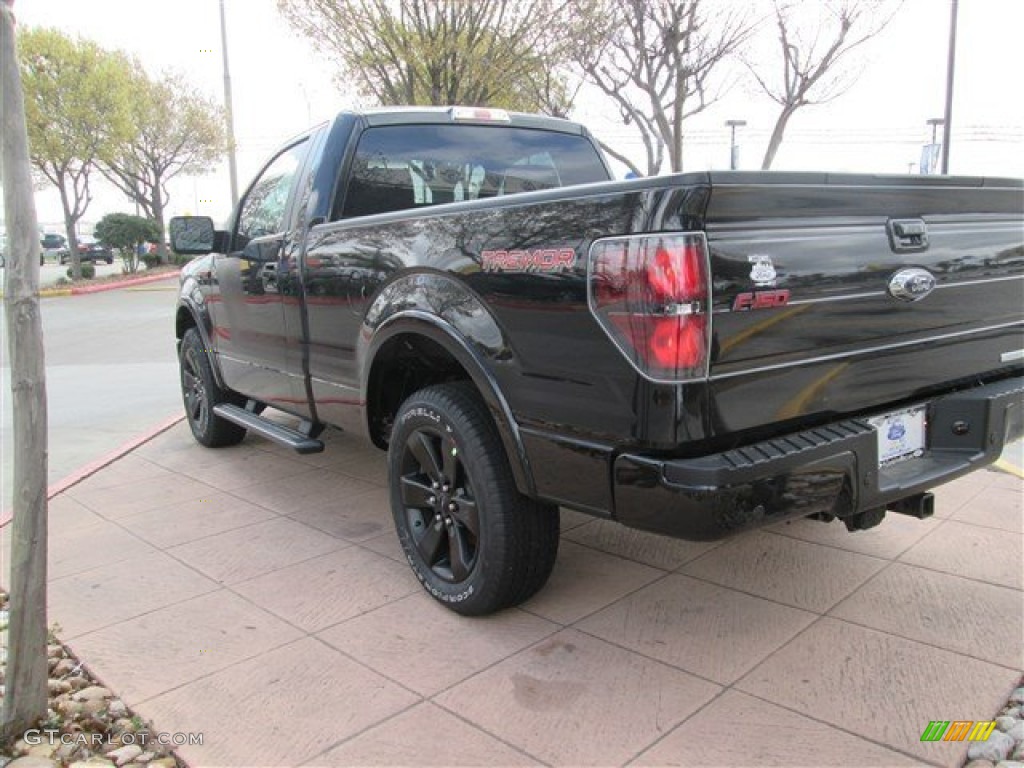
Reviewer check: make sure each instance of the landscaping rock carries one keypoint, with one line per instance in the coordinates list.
(93, 692)
(996, 748)
(57, 687)
(126, 754)
(32, 762)
(1016, 731)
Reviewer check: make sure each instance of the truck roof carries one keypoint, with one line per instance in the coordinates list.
(440, 115)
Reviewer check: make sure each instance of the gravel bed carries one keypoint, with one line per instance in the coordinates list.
(1005, 746)
(92, 727)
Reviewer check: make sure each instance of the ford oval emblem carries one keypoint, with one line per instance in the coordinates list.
(911, 284)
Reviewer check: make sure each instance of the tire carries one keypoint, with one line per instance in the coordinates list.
(200, 394)
(475, 543)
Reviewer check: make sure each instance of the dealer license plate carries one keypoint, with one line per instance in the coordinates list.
(901, 434)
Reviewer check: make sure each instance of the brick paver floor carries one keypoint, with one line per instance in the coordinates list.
(259, 598)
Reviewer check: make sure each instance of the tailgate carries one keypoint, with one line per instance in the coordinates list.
(843, 294)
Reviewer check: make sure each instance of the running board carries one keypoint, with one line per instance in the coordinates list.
(298, 441)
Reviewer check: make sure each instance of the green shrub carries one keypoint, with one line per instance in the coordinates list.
(151, 260)
(88, 271)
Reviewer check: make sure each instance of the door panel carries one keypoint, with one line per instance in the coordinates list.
(249, 325)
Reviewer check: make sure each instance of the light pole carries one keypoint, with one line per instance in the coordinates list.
(229, 117)
(950, 65)
(935, 122)
(734, 150)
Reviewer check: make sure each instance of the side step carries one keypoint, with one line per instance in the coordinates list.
(298, 441)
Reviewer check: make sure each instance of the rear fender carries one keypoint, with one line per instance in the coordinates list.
(442, 309)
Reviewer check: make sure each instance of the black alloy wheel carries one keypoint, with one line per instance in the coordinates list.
(200, 393)
(439, 504)
(472, 539)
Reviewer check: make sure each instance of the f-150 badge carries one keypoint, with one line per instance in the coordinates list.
(763, 271)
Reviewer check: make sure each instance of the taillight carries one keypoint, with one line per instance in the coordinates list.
(650, 295)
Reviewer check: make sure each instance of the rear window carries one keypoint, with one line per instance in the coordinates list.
(397, 167)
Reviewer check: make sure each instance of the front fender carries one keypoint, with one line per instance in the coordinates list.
(447, 312)
(192, 310)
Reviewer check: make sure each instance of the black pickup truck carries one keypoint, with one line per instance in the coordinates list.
(694, 355)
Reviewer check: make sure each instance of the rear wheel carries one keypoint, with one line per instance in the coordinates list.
(200, 393)
(476, 544)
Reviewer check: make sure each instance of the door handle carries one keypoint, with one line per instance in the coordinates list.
(907, 235)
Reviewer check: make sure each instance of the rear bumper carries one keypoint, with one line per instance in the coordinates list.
(831, 469)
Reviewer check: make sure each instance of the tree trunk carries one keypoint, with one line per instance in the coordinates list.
(776, 140)
(25, 697)
(158, 216)
(71, 227)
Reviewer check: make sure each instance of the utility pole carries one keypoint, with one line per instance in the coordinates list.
(950, 65)
(734, 150)
(228, 110)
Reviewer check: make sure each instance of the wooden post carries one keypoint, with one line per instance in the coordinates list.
(25, 698)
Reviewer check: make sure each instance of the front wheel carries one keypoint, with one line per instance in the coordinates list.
(200, 392)
(476, 544)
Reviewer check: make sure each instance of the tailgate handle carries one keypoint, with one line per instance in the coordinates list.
(907, 235)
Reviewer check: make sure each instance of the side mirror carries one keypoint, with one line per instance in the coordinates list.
(192, 235)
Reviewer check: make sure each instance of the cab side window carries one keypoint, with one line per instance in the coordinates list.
(266, 203)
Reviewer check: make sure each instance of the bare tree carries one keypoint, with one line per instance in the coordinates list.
(25, 697)
(175, 130)
(658, 61)
(482, 53)
(815, 39)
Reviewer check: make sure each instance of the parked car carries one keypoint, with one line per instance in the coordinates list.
(89, 249)
(51, 241)
(3, 253)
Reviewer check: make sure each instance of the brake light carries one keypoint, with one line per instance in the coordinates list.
(650, 295)
(480, 114)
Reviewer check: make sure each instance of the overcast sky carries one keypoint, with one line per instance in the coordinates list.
(281, 86)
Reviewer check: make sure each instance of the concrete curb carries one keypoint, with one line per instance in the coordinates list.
(82, 290)
(1009, 468)
(93, 467)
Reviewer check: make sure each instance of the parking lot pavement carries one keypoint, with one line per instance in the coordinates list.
(259, 598)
